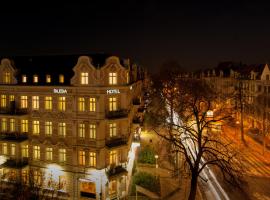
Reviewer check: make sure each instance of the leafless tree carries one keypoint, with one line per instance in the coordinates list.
(179, 113)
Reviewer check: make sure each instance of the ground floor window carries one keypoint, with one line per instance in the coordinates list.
(112, 187)
(88, 189)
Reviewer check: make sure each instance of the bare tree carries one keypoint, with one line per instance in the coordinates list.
(179, 113)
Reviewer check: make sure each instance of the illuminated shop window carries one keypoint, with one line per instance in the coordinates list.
(112, 78)
(84, 78)
(112, 187)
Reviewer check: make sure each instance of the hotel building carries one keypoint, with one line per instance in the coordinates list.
(67, 122)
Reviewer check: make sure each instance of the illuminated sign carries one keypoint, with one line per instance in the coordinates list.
(59, 91)
(113, 91)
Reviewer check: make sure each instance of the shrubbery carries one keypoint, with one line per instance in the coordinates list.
(147, 155)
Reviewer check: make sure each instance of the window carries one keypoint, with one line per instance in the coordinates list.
(48, 128)
(49, 153)
(82, 130)
(35, 102)
(92, 131)
(37, 177)
(25, 176)
(112, 187)
(61, 78)
(7, 77)
(84, 78)
(11, 98)
(4, 149)
(24, 103)
(112, 104)
(35, 127)
(62, 155)
(112, 157)
(81, 157)
(24, 78)
(48, 78)
(62, 129)
(25, 151)
(48, 103)
(92, 104)
(112, 78)
(24, 125)
(13, 150)
(62, 103)
(36, 153)
(4, 125)
(35, 78)
(12, 125)
(267, 77)
(81, 104)
(112, 129)
(3, 103)
(92, 159)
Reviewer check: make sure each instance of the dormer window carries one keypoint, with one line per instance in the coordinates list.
(24, 78)
(61, 78)
(112, 78)
(267, 77)
(35, 78)
(48, 78)
(84, 78)
(7, 77)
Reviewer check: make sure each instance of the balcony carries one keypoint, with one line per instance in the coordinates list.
(19, 137)
(17, 164)
(136, 101)
(13, 111)
(116, 114)
(116, 170)
(116, 141)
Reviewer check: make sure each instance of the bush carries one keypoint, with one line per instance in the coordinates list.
(147, 181)
(147, 155)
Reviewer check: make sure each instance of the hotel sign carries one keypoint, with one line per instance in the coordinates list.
(60, 91)
(113, 91)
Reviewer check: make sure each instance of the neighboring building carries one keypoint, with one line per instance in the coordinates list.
(67, 122)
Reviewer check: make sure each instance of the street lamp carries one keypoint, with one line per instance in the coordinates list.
(237, 123)
(156, 157)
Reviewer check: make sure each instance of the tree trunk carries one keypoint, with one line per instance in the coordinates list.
(193, 186)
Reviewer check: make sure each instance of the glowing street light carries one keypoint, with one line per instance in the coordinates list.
(156, 157)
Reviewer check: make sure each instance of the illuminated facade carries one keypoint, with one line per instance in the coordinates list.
(67, 122)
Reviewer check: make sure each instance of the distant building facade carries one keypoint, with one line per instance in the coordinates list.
(67, 122)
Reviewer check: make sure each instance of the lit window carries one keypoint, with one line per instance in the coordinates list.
(24, 78)
(113, 157)
(24, 176)
(25, 151)
(81, 157)
(62, 129)
(24, 125)
(62, 103)
(112, 78)
(13, 150)
(48, 128)
(92, 104)
(35, 102)
(36, 127)
(4, 149)
(12, 175)
(37, 178)
(48, 103)
(48, 78)
(92, 131)
(61, 78)
(36, 153)
(92, 159)
(112, 104)
(82, 130)
(7, 77)
(12, 125)
(81, 104)
(49, 153)
(112, 129)
(24, 103)
(11, 98)
(4, 125)
(127, 77)
(62, 155)
(112, 187)
(3, 101)
(35, 78)
(84, 78)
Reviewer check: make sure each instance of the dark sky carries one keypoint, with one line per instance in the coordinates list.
(151, 32)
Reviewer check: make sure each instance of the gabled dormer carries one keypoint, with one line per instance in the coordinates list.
(7, 72)
(265, 76)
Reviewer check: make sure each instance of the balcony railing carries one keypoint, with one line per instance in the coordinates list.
(12, 163)
(13, 111)
(13, 136)
(121, 113)
(116, 141)
(116, 170)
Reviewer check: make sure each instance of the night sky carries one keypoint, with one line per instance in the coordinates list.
(194, 34)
